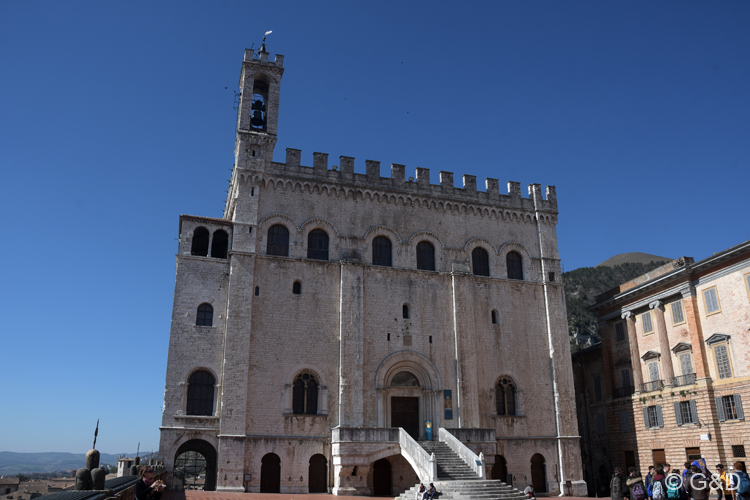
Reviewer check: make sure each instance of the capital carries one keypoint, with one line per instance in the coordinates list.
(627, 315)
(656, 304)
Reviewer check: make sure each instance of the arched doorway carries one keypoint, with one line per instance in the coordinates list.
(381, 478)
(500, 470)
(270, 473)
(538, 473)
(195, 466)
(318, 474)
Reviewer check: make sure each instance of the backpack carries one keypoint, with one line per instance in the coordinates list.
(743, 488)
(638, 492)
(657, 491)
(673, 491)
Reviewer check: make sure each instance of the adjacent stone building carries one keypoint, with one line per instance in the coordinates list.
(670, 381)
(327, 309)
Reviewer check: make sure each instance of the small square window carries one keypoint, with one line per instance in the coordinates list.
(738, 451)
(711, 301)
(677, 315)
(646, 321)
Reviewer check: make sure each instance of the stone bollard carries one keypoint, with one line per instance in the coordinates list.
(83, 480)
(133, 470)
(137, 460)
(92, 459)
(98, 476)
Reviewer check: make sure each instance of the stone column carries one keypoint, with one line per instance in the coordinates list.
(635, 359)
(700, 361)
(661, 332)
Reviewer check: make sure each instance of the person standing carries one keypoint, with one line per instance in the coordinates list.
(636, 488)
(146, 488)
(616, 485)
(649, 478)
(697, 485)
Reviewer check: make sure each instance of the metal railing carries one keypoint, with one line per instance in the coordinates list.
(623, 392)
(688, 379)
(654, 385)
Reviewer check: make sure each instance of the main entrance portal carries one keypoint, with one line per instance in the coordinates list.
(405, 413)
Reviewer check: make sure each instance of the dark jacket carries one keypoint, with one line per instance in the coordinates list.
(697, 487)
(632, 481)
(145, 492)
(616, 487)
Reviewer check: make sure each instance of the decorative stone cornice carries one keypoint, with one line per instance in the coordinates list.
(650, 355)
(682, 347)
(717, 338)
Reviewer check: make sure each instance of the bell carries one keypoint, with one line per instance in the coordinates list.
(257, 119)
(259, 105)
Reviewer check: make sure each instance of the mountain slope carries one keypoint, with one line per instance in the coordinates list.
(632, 258)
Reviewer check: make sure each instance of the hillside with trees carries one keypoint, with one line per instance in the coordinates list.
(582, 285)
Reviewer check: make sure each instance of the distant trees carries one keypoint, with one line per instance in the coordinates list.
(23, 478)
(582, 285)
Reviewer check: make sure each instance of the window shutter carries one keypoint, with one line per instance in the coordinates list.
(645, 416)
(738, 405)
(659, 418)
(720, 409)
(678, 413)
(694, 411)
(686, 364)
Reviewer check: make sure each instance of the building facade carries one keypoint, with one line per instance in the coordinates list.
(327, 309)
(670, 381)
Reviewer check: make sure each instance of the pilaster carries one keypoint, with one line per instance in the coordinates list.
(661, 332)
(635, 358)
(700, 359)
(351, 341)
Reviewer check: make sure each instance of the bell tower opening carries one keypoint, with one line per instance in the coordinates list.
(260, 97)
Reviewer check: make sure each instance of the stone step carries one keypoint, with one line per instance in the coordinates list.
(485, 489)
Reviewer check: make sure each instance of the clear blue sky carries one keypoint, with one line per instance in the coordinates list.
(116, 117)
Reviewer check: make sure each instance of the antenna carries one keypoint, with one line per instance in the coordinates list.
(96, 433)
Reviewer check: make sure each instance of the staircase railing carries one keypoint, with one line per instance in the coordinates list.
(472, 460)
(422, 462)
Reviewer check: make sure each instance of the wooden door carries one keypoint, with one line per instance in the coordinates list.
(405, 413)
(381, 478)
(270, 473)
(318, 474)
(659, 456)
(538, 474)
(500, 469)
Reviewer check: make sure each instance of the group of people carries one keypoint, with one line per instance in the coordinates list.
(695, 482)
(426, 493)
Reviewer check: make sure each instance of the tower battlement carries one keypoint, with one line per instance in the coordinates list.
(399, 182)
(262, 58)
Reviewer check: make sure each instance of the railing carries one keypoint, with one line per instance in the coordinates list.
(423, 463)
(623, 392)
(472, 460)
(688, 379)
(365, 434)
(654, 385)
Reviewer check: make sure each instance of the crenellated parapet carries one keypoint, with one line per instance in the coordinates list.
(321, 174)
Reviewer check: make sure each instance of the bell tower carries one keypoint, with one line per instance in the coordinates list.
(257, 122)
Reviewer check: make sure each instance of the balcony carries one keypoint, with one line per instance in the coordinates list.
(654, 385)
(682, 380)
(623, 392)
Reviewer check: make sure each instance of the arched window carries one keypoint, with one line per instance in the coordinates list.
(480, 261)
(220, 244)
(305, 395)
(278, 241)
(297, 288)
(260, 96)
(205, 315)
(382, 251)
(515, 266)
(317, 245)
(425, 256)
(200, 242)
(200, 399)
(404, 379)
(405, 311)
(505, 392)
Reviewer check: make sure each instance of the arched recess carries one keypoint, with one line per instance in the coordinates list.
(428, 391)
(539, 473)
(529, 269)
(381, 478)
(270, 473)
(209, 454)
(500, 469)
(317, 475)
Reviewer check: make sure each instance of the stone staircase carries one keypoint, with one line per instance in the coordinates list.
(450, 467)
(457, 481)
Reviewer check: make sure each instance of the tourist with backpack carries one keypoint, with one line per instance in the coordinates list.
(675, 487)
(658, 488)
(740, 482)
(635, 485)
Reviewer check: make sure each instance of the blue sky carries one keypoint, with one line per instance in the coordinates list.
(117, 117)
